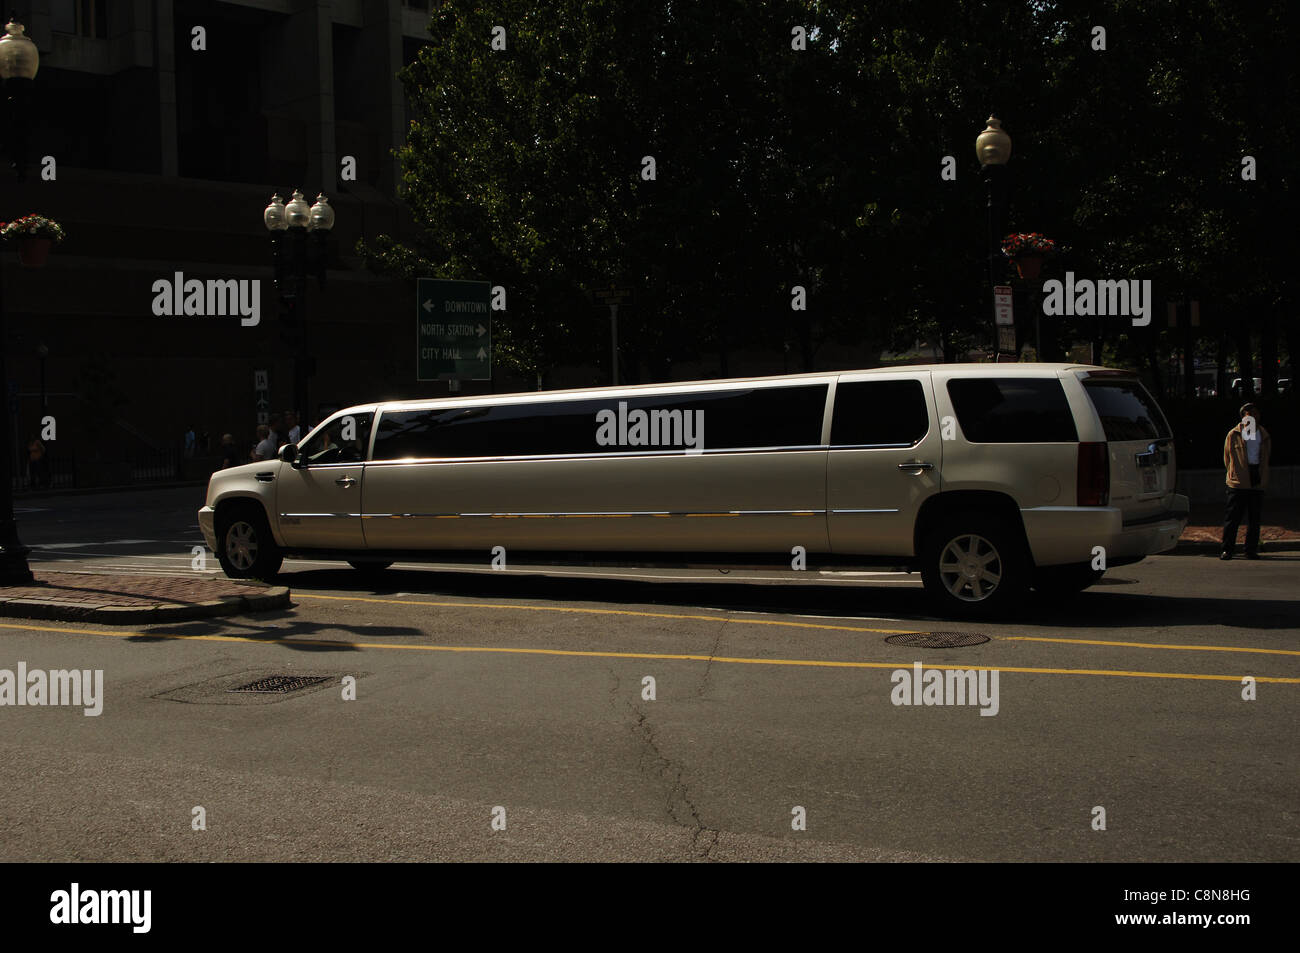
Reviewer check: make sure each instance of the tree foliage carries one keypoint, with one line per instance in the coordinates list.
(820, 166)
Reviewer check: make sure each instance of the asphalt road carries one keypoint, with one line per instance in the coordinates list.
(478, 690)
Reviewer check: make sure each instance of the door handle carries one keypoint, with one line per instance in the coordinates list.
(345, 482)
(916, 465)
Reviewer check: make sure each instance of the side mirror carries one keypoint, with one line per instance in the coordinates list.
(289, 454)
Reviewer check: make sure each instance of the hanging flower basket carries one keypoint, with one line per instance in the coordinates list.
(1029, 266)
(1028, 250)
(34, 235)
(32, 252)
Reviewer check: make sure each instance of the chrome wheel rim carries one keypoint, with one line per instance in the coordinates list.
(241, 545)
(970, 568)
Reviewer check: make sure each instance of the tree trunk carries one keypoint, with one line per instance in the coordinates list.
(1157, 380)
(1268, 354)
(1222, 379)
(1245, 360)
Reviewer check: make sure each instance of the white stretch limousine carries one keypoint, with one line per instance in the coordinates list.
(988, 478)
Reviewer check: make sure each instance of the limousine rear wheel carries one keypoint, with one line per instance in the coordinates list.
(246, 548)
(975, 565)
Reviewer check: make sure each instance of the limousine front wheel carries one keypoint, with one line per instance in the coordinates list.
(974, 567)
(246, 548)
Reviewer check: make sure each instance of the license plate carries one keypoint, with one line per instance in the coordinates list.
(1150, 480)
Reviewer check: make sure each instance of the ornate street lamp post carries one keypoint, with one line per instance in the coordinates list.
(993, 149)
(298, 249)
(19, 61)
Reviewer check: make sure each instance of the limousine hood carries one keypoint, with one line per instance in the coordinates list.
(257, 477)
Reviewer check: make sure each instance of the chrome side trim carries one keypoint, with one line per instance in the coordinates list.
(805, 512)
(329, 515)
(864, 511)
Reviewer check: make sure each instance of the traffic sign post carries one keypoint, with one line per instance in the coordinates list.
(453, 330)
(1004, 320)
(613, 296)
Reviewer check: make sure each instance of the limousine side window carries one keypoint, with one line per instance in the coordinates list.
(1126, 410)
(744, 418)
(344, 439)
(879, 414)
(1012, 410)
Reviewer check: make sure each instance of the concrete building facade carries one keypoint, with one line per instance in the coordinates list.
(163, 127)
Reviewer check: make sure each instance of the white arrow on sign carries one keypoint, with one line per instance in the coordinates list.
(482, 354)
(428, 306)
(481, 330)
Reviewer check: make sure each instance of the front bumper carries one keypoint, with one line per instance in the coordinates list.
(1069, 534)
(207, 523)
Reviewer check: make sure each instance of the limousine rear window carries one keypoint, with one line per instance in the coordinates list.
(879, 414)
(760, 417)
(1126, 410)
(1012, 410)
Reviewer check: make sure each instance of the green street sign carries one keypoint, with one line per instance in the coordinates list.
(453, 330)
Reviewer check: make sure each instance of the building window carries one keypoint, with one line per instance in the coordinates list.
(80, 17)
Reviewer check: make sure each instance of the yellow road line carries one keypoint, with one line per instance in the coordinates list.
(653, 656)
(1151, 645)
(782, 622)
(647, 615)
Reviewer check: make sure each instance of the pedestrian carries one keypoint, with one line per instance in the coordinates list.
(229, 452)
(277, 430)
(266, 447)
(36, 462)
(291, 421)
(1245, 457)
(190, 440)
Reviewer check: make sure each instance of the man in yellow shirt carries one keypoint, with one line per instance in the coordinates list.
(1245, 457)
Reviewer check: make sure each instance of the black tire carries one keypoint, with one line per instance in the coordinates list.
(245, 547)
(975, 566)
(1065, 580)
(375, 566)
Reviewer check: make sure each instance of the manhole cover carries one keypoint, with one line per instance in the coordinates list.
(937, 640)
(281, 684)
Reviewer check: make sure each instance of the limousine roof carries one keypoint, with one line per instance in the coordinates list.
(1000, 370)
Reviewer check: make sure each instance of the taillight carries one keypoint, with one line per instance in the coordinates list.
(1094, 475)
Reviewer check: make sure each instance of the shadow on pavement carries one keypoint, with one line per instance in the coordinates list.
(1106, 605)
(282, 627)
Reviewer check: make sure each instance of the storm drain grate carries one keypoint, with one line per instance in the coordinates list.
(281, 684)
(937, 640)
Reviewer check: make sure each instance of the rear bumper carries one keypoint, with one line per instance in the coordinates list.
(1069, 534)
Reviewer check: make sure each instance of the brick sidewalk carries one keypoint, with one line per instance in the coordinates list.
(117, 599)
(1281, 525)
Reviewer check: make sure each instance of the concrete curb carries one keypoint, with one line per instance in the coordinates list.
(1197, 547)
(88, 490)
(261, 600)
